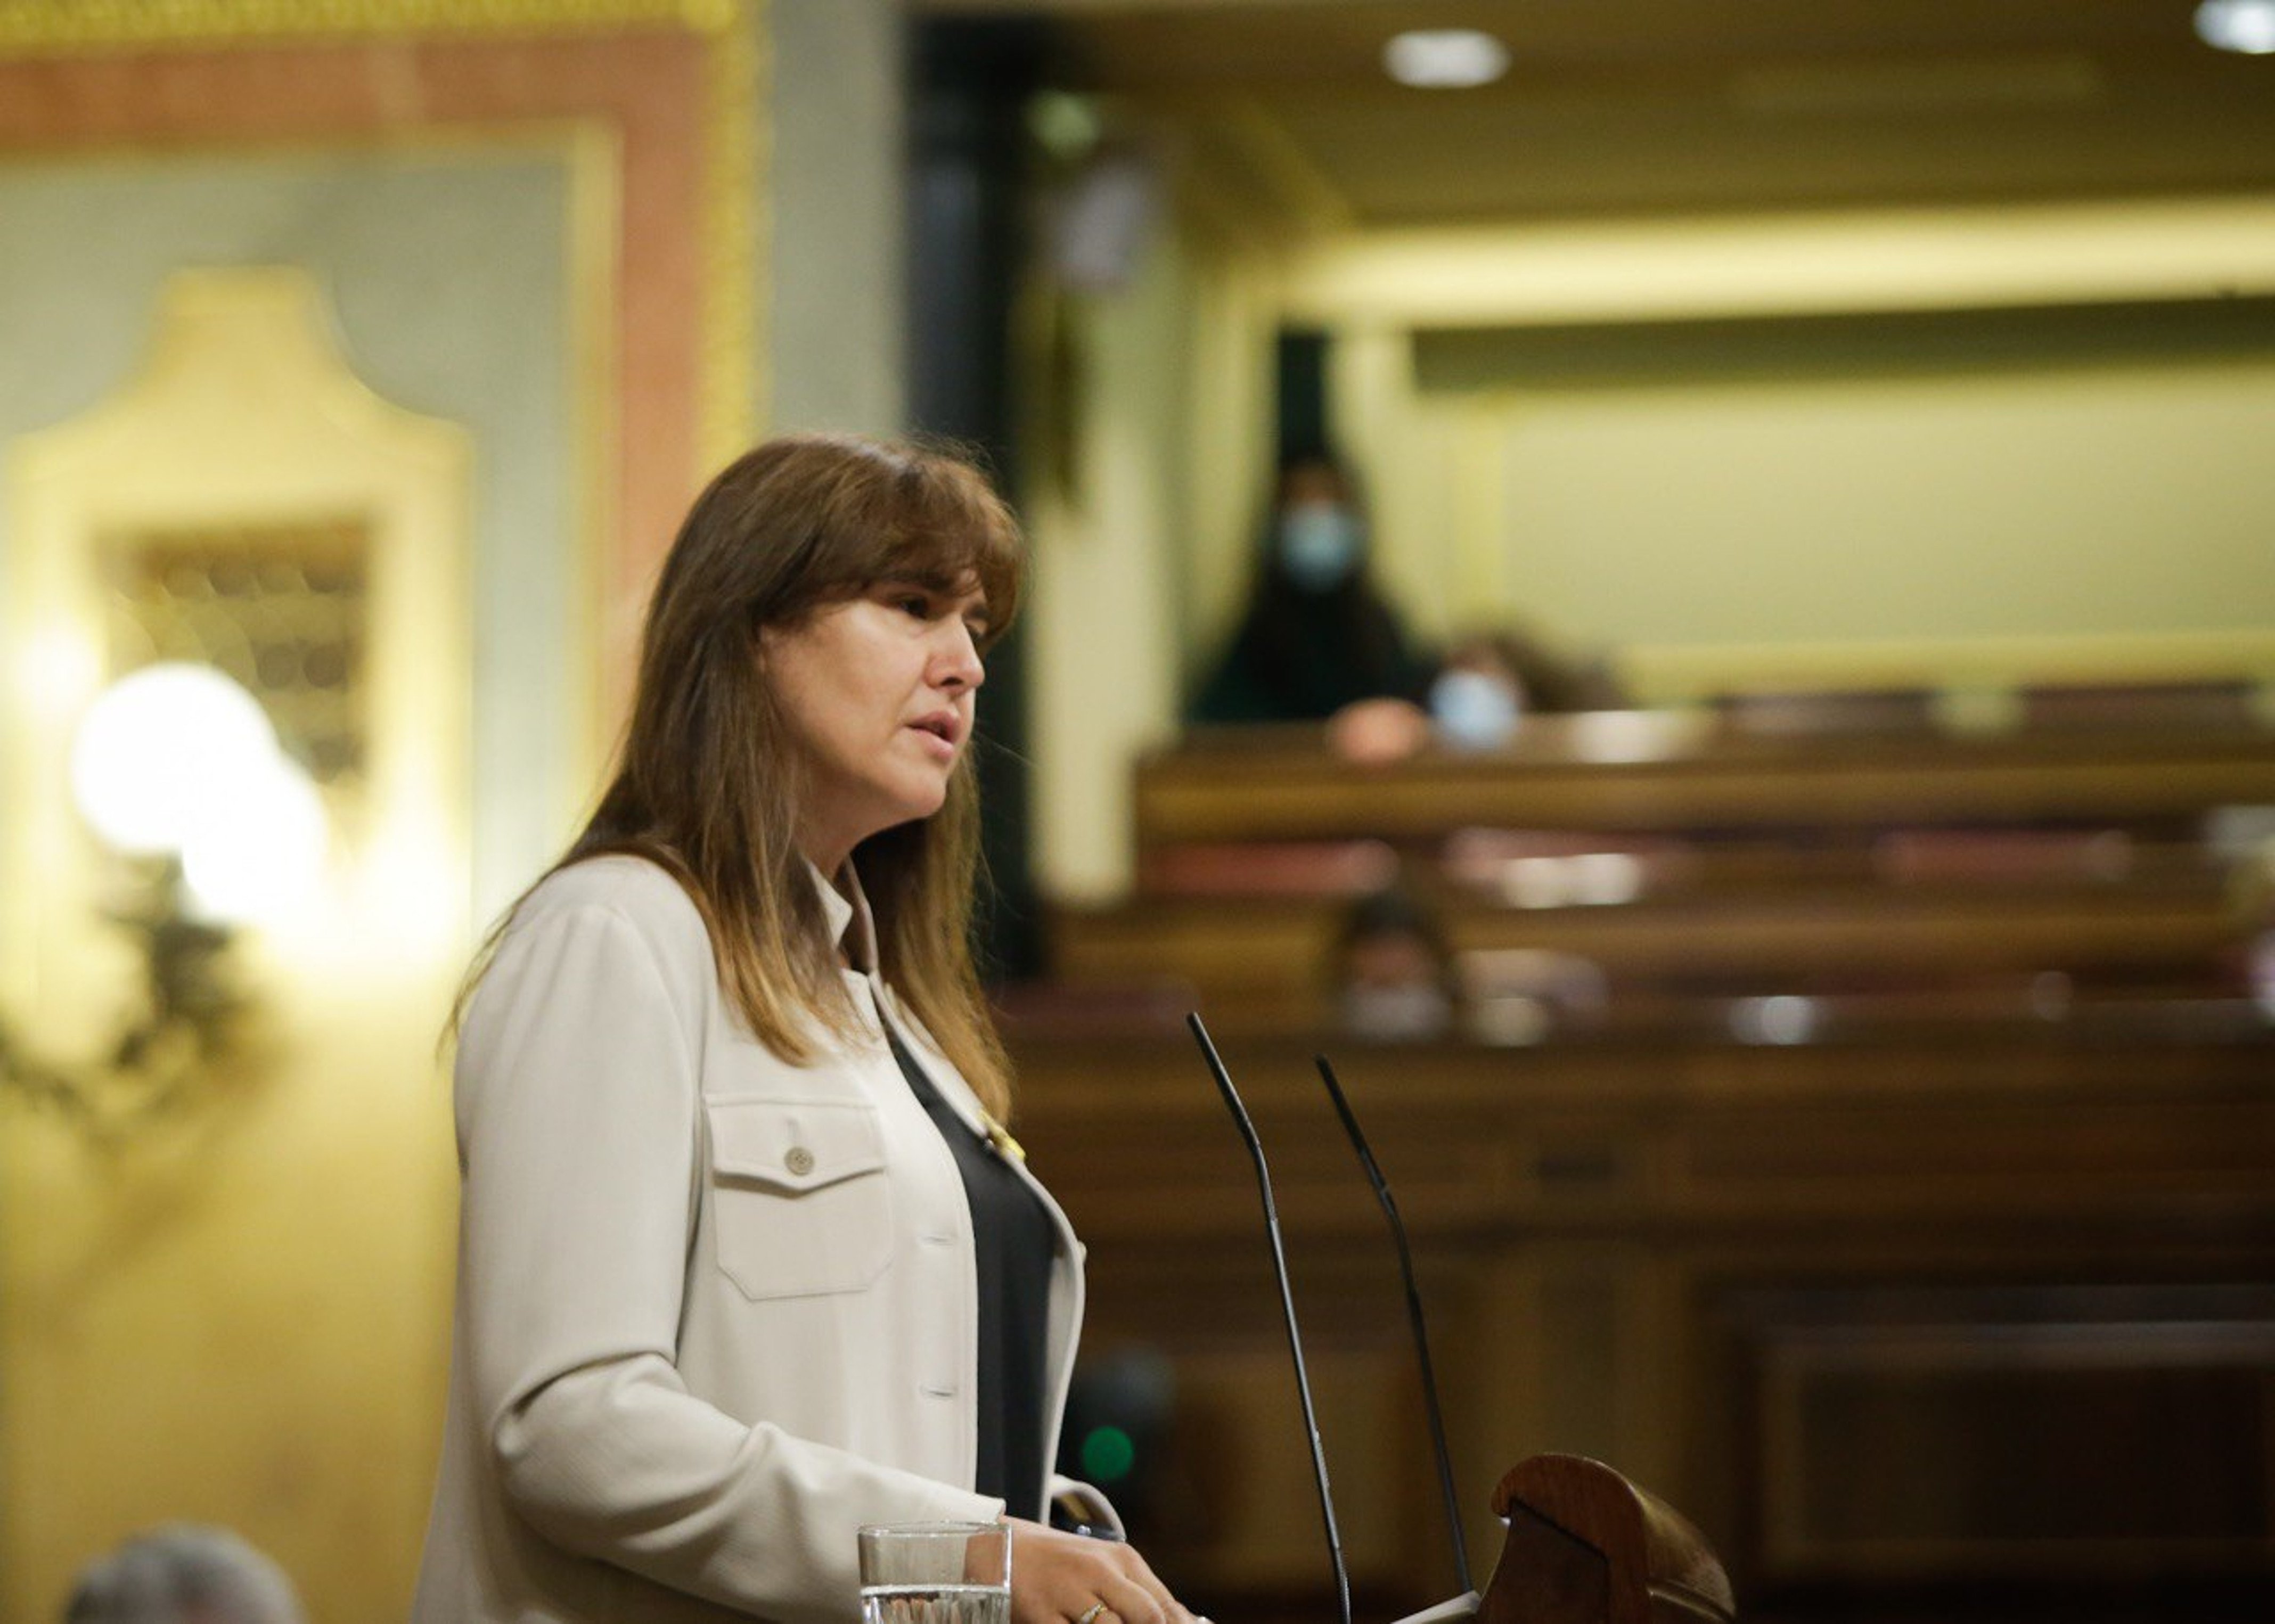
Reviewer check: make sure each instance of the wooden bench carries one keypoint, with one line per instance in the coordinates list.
(1673, 857)
(1244, 955)
(1639, 771)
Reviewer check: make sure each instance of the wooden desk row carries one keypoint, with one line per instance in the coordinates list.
(1955, 1299)
(1651, 771)
(1854, 1306)
(1735, 866)
(1770, 938)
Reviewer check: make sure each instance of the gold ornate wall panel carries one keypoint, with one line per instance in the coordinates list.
(248, 502)
(188, 517)
(281, 609)
(244, 1319)
(673, 86)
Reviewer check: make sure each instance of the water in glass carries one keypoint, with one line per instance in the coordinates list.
(935, 1603)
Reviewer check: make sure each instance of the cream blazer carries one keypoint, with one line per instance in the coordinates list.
(714, 1311)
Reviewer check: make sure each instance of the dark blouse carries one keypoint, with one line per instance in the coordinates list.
(1013, 1242)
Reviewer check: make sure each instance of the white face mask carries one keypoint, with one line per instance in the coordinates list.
(1319, 544)
(1473, 710)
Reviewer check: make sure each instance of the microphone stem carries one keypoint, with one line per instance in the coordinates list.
(1429, 1403)
(1389, 1204)
(1287, 1308)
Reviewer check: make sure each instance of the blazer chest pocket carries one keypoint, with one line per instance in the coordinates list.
(801, 1205)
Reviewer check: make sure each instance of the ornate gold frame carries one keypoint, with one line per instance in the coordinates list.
(734, 225)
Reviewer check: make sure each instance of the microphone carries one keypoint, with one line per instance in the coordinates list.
(1413, 1318)
(1287, 1306)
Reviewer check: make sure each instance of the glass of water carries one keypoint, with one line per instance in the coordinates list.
(936, 1573)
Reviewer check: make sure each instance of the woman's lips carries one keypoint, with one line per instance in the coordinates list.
(941, 731)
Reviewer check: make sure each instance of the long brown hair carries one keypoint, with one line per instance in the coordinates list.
(708, 783)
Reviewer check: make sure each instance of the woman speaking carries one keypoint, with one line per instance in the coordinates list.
(747, 1259)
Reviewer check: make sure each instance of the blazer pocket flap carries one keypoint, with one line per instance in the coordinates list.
(793, 1146)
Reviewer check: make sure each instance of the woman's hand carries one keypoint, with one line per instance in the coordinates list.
(1061, 1578)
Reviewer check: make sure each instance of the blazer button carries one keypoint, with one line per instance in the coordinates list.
(799, 1161)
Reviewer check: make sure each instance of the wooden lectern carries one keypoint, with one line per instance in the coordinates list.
(1586, 1546)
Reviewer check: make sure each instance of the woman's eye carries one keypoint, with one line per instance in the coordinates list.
(915, 604)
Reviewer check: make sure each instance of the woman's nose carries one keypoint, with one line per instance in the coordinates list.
(956, 663)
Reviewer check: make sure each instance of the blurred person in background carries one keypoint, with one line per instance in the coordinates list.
(1392, 974)
(1317, 637)
(183, 1573)
(1490, 681)
(1318, 642)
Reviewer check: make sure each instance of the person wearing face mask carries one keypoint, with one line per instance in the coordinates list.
(1392, 970)
(1318, 639)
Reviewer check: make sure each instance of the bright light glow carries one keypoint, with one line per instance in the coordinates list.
(176, 760)
(1108, 1454)
(2246, 25)
(1783, 1019)
(1067, 125)
(1533, 883)
(1585, 879)
(251, 860)
(1511, 1020)
(1445, 58)
(160, 750)
(1634, 736)
(1606, 879)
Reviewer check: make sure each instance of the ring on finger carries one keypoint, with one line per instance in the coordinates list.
(1091, 1613)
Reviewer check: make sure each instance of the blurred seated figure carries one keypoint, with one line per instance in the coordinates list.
(1393, 975)
(1478, 697)
(1318, 642)
(183, 1573)
(1486, 686)
(1317, 637)
(1490, 679)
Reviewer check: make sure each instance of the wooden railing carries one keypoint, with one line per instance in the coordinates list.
(1645, 770)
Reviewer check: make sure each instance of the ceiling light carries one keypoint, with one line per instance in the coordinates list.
(2246, 25)
(1445, 58)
